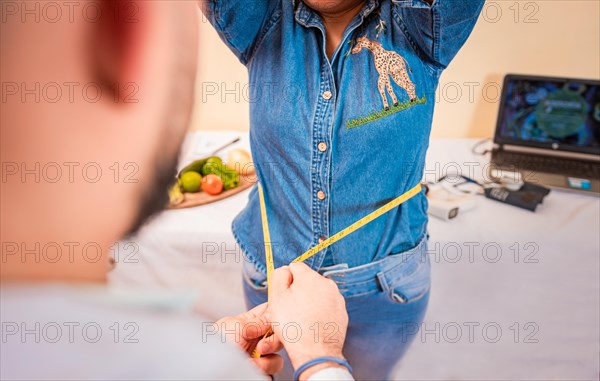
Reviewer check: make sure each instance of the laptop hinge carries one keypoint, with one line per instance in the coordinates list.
(547, 152)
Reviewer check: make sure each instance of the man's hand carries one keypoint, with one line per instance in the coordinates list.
(308, 315)
(249, 328)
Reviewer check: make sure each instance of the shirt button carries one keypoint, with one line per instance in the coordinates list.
(322, 147)
(327, 95)
(321, 239)
(321, 195)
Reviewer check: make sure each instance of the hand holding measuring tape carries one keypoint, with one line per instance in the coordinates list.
(317, 329)
(286, 294)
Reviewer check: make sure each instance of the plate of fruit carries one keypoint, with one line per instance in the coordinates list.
(210, 179)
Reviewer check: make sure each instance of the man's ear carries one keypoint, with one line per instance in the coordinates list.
(117, 43)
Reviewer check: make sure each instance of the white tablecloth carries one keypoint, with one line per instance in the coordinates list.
(515, 294)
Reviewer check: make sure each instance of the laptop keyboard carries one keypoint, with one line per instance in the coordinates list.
(548, 164)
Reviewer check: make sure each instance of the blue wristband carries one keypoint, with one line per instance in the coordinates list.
(320, 360)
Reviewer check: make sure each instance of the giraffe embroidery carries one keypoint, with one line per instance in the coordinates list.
(388, 63)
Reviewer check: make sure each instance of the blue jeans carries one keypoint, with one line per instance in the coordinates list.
(386, 302)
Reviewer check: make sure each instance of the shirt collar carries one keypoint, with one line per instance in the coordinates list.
(307, 17)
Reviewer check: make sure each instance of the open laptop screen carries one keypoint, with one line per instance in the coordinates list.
(553, 113)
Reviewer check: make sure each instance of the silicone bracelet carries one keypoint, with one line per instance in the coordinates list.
(320, 360)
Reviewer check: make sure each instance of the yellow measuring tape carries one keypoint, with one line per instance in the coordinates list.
(334, 238)
(266, 236)
(329, 241)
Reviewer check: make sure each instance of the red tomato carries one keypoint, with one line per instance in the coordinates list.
(212, 184)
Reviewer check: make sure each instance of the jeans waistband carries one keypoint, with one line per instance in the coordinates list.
(368, 278)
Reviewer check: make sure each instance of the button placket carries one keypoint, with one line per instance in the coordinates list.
(321, 157)
(322, 190)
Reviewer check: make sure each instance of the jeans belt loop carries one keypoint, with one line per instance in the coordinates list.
(382, 282)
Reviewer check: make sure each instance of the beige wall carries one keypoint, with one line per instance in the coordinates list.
(551, 37)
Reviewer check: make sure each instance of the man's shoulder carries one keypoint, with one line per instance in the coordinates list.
(63, 333)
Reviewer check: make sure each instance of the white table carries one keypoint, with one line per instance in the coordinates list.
(515, 294)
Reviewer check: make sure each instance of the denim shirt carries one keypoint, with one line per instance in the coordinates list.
(334, 139)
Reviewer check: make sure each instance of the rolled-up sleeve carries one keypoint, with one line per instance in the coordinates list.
(241, 24)
(440, 29)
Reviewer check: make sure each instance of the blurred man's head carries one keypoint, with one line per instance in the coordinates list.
(96, 98)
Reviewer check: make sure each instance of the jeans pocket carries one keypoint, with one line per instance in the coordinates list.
(253, 277)
(413, 284)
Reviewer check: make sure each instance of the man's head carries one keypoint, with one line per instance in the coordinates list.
(96, 98)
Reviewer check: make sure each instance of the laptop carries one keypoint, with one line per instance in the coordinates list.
(548, 131)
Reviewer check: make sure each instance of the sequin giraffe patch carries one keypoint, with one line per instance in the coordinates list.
(388, 64)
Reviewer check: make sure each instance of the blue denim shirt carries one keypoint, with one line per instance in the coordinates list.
(333, 139)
